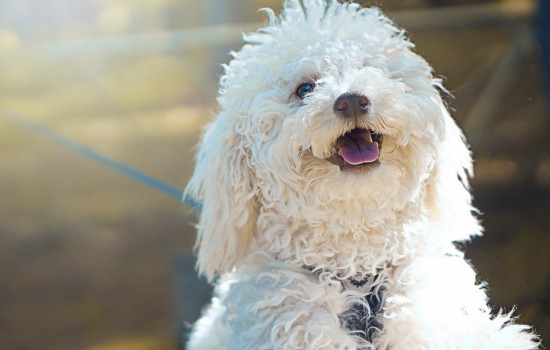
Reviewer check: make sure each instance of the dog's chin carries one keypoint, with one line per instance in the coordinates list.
(357, 151)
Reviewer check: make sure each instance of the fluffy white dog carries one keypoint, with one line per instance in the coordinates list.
(334, 184)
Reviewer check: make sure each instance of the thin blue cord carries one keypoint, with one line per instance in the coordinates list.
(136, 175)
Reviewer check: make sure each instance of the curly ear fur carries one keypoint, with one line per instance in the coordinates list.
(448, 199)
(223, 182)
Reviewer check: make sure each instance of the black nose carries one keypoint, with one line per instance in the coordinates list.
(351, 104)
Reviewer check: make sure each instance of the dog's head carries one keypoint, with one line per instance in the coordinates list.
(327, 113)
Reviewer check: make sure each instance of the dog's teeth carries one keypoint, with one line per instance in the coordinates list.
(370, 136)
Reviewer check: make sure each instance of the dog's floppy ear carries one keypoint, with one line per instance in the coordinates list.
(448, 198)
(223, 182)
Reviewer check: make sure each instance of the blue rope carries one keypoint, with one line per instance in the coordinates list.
(136, 175)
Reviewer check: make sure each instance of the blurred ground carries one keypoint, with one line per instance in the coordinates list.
(90, 259)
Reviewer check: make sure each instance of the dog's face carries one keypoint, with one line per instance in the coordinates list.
(337, 101)
(327, 116)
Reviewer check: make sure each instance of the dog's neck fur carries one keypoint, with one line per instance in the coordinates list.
(344, 246)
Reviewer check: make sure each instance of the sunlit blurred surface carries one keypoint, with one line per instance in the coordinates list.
(90, 259)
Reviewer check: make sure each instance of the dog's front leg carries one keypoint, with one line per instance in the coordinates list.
(435, 304)
(277, 309)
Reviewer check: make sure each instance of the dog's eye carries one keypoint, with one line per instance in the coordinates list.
(304, 89)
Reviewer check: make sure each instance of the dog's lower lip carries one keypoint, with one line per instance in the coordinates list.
(337, 159)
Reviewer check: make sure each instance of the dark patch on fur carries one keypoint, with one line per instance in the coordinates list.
(362, 318)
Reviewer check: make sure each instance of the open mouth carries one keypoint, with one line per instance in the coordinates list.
(357, 149)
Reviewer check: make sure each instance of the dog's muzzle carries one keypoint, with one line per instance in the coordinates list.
(359, 148)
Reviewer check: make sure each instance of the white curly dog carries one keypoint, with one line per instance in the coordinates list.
(334, 185)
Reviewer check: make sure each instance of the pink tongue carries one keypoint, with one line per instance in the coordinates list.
(357, 148)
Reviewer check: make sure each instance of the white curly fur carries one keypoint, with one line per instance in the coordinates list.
(285, 229)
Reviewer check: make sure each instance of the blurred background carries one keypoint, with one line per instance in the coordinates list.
(92, 259)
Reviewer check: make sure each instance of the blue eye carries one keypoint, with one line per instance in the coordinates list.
(304, 89)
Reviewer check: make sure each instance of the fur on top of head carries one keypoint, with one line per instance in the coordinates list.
(266, 171)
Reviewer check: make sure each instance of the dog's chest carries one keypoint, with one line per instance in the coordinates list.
(362, 318)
